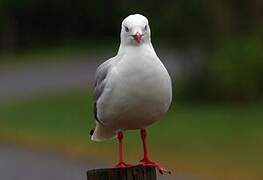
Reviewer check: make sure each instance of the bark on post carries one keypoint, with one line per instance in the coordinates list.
(130, 173)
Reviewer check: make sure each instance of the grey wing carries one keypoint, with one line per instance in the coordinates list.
(100, 82)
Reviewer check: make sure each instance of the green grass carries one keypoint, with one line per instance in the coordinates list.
(217, 140)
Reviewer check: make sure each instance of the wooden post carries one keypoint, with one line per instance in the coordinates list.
(131, 173)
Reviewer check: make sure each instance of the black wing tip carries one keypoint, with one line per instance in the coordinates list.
(92, 131)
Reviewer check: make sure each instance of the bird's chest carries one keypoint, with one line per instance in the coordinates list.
(141, 85)
(140, 79)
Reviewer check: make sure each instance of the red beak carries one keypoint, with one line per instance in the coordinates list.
(137, 37)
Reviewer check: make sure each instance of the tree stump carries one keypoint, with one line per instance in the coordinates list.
(131, 173)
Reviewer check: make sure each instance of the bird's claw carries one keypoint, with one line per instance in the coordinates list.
(147, 162)
(122, 165)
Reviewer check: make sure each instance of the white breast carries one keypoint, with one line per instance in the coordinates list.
(138, 91)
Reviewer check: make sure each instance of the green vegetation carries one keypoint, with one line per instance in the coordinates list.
(231, 72)
(235, 69)
(225, 139)
(25, 24)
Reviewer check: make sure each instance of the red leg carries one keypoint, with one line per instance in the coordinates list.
(121, 164)
(146, 161)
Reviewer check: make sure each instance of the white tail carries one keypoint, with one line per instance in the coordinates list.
(102, 133)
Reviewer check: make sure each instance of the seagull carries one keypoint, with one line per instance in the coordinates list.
(132, 89)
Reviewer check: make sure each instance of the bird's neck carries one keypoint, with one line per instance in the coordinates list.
(123, 49)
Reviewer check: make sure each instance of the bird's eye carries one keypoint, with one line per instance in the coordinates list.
(145, 27)
(126, 29)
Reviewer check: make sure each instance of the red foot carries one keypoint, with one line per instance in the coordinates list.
(122, 165)
(147, 162)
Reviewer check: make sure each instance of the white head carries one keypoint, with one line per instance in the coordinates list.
(135, 30)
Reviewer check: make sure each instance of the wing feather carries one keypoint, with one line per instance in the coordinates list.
(100, 82)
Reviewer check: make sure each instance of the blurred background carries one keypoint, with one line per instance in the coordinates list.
(49, 51)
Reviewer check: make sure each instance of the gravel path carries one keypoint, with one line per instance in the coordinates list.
(21, 164)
